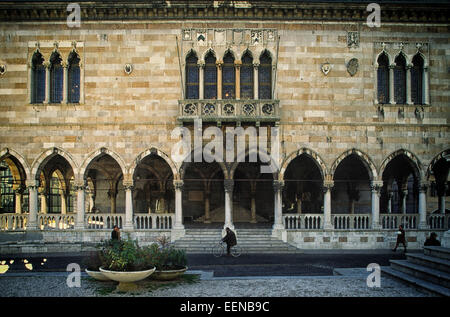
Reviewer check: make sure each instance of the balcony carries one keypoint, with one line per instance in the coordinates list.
(229, 110)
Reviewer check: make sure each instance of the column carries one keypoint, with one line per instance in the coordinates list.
(389, 205)
(237, 65)
(391, 84)
(408, 85)
(178, 184)
(327, 185)
(128, 206)
(255, 81)
(18, 207)
(47, 82)
(112, 194)
(253, 209)
(219, 79)
(65, 81)
(63, 203)
(423, 205)
(207, 215)
(201, 76)
(405, 194)
(33, 204)
(376, 187)
(278, 204)
(79, 224)
(43, 201)
(442, 204)
(228, 184)
(426, 93)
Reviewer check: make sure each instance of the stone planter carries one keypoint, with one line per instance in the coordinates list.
(168, 275)
(126, 279)
(97, 275)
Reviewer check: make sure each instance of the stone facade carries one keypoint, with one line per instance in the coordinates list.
(324, 81)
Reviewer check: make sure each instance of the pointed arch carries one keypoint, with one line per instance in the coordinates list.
(46, 156)
(98, 153)
(73, 77)
(417, 79)
(308, 152)
(192, 76)
(16, 156)
(382, 63)
(264, 158)
(265, 75)
(414, 161)
(228, 75)
(56, 77)
(401, 63)
(365, 159)
(190, 158)
(37, 78)
(157, 152)
(247, 76)
(210, 75)
(443, 154)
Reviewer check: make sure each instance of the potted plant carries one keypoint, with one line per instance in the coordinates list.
(93, 263)
(170, 262)
(125, 262)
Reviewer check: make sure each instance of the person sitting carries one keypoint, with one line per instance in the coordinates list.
(432, 241)
(115, 234)
(229, 239)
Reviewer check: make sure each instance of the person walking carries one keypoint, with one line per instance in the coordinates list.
(400, 238)
(229, 239)
(115, 234)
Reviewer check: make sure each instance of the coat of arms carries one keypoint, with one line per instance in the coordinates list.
(325, 68)
(352, 66)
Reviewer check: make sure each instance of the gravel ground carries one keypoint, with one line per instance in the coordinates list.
(54, 285)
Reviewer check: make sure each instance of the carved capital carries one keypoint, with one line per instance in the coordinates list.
(228, 184)
(376, 186)
(278, 185)
(178, 184)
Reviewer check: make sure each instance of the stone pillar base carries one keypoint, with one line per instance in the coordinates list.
(446, 239)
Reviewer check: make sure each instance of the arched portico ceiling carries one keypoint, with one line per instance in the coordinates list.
(97, 155)
(308, 152)
(442, 155)
(410, 158)
(192, 157)
(155, 152)
(46, 156)
(364, 158)
(264, 159)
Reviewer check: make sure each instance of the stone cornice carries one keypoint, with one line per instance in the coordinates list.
(224, 10)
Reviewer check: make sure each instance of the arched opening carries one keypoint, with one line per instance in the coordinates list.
(351, 193)
(228, 77)
(192, 76)
(247, 74)
(400, 79)
(73, 76)
(417, 80)
(105, 176)
(265, 76)
(210, 77)
(303, 186)
(153, 186)
(13, 192)
(400, 186)
(203, 195)
(440, 184)
(37, 78)
(56, 78)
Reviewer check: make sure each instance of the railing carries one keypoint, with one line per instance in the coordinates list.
(229, 110)
(56, 221)
(351, 221)
(392, 221)
(153, 221)
(104, 221)
(303, 221)
(439, 221)
(12, 221)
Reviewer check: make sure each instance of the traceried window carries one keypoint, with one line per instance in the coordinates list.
(417, 87)
(37, 78)
(383, 79)
(400, 80)
(228, 77)
(210, 77)
(247, 77)
(192, 77)
(73, 76)
(54, 199)
(56, 78)
(265, 76)
(7, 196)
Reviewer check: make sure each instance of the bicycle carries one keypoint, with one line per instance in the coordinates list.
(220, 248)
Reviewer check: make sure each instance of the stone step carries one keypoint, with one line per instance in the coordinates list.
(416, 282)
(422, 272)
(439, 252)
(429, 261)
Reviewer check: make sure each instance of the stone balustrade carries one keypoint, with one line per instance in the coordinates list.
(303, 221)
(351, 221)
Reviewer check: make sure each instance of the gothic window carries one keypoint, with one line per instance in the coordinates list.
(265, 76)
(417, 90)
(54, 199)
(73, 76)
(37, 78)
(247, 77)
(400, 80)
(210, 77)
(228, 77)
(7, 196)
(56, 78)
(383, 79)
(192, 77)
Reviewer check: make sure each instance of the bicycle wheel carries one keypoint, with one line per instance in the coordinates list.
(236, 251)
(217, 250)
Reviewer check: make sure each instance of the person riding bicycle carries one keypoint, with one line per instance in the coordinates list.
(229, 239)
